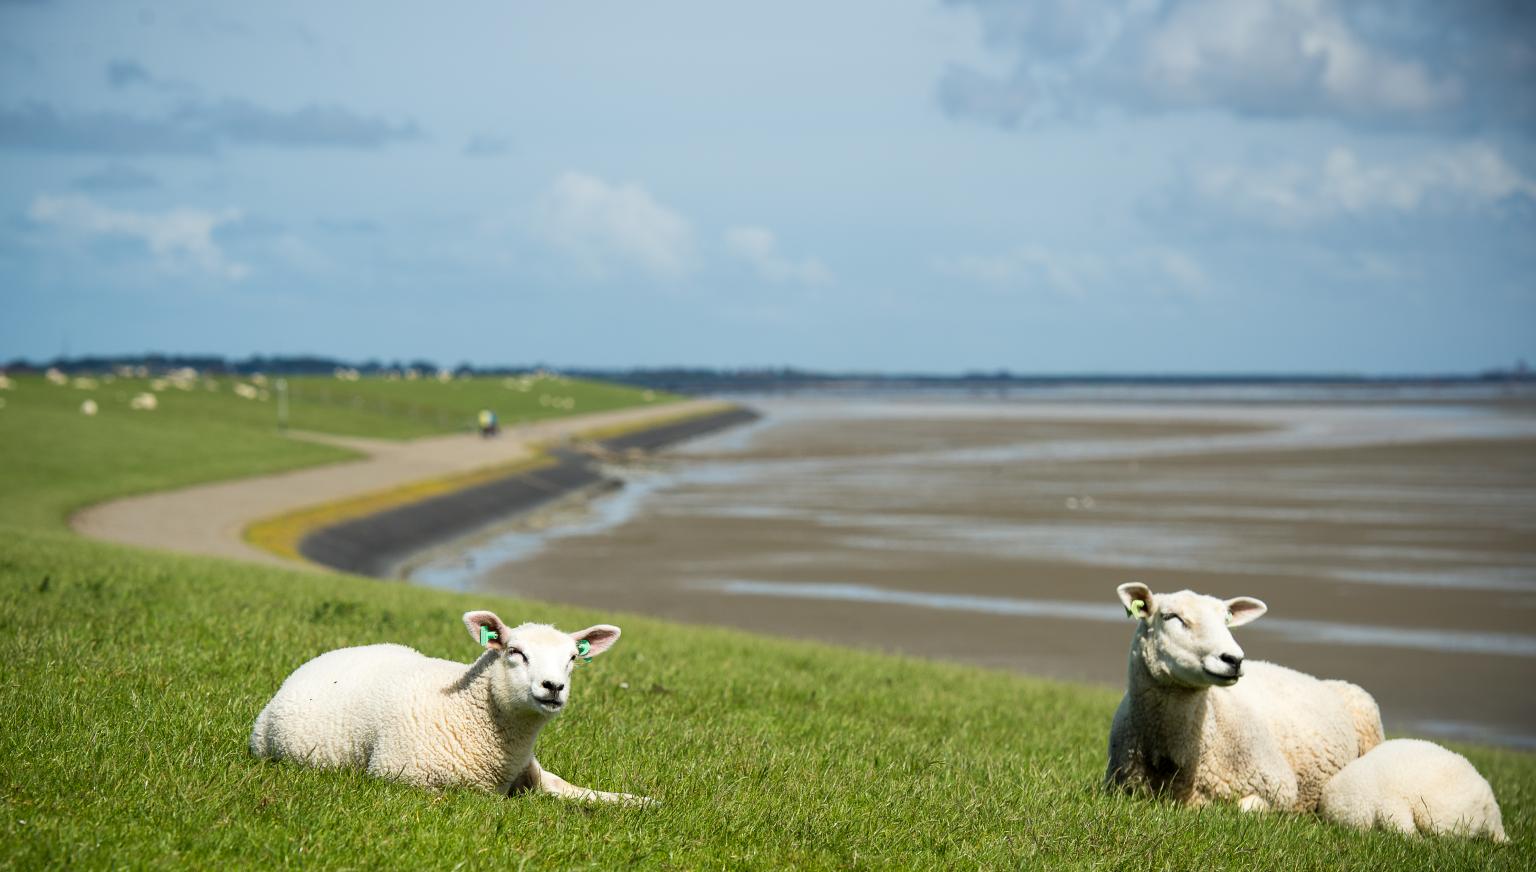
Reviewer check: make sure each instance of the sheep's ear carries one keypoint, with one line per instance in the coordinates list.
(600, 637)
(1137, 598)
(1244, 610)
(494, 632)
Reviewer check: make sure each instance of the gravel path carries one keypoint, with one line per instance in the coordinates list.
(210, 519)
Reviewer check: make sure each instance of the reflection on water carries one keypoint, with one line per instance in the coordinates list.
(1505, 644)
(455, 568)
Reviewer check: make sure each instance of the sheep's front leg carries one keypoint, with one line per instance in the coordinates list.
(1253, 802)
(551, 783)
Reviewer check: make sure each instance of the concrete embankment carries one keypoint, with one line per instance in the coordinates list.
(375, 544)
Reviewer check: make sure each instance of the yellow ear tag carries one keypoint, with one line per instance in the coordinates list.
(1135, 609)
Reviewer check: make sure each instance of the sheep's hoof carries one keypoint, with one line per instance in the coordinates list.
(1253, 802)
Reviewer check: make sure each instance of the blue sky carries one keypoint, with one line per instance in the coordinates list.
(1054, 186)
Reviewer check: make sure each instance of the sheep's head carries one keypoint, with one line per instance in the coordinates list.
(537, 659)
(1185, 638)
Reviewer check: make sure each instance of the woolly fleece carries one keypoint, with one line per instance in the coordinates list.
(1413, 787)
(399, 714)
(1270, 739)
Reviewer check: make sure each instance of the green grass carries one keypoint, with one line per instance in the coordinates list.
(53, 459)
(416, 408)
(130, 680)
(370, 407)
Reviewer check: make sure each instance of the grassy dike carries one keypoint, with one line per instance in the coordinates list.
(282, 534)
(130, 680)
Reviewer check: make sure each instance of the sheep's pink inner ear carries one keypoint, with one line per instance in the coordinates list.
(1244, 610)
(600, 637)
(474, 621)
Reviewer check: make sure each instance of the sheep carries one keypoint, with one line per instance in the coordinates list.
(88, 408)
(399, 714)
(1413, 786)
(144, 402)
(1189, 729)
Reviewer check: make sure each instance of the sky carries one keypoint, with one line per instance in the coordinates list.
(1058, 186)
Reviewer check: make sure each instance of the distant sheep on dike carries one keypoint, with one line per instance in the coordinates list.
(1413, 787)
(1188, 728)
(400, 714)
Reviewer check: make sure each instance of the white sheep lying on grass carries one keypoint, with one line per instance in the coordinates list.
(1188, 728)
(1413, 787)
(400, 714)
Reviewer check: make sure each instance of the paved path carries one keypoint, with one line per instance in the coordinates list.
(210, 519)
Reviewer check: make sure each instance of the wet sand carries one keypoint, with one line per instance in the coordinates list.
(1395, 546)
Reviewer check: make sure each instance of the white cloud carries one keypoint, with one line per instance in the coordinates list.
(1275, 55)
(1341, 183)
(758, 247)
(1346, 59)
(1183, 271)
(180, 239)
(605, 226)
(1082, 274)
(1029, 266)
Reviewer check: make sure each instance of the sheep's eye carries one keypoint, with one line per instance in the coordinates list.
(1170, 616)
(518, 652)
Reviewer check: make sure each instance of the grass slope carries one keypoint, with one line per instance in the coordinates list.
(416, 408)
(54, 460)
(370, 407)
(131, 678)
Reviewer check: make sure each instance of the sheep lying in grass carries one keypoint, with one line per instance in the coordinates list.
(400, 714)
(1413, 786)
(1188, 728)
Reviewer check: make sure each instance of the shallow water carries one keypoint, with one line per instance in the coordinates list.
(866, 501)
(1506, 644)
(1389, 540)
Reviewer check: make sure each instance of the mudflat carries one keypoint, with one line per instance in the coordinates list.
(1395, 546)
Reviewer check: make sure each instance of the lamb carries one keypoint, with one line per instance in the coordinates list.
(1414, 787)
(1189, 729)
(432, 723)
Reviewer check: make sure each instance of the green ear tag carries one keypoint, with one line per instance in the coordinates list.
(582, 647)
(486, 635)
(1135, 609)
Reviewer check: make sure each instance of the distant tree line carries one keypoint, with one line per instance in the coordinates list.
(752, 379)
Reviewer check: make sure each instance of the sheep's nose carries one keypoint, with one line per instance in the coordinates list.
(1233, 660)
(553, 687)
